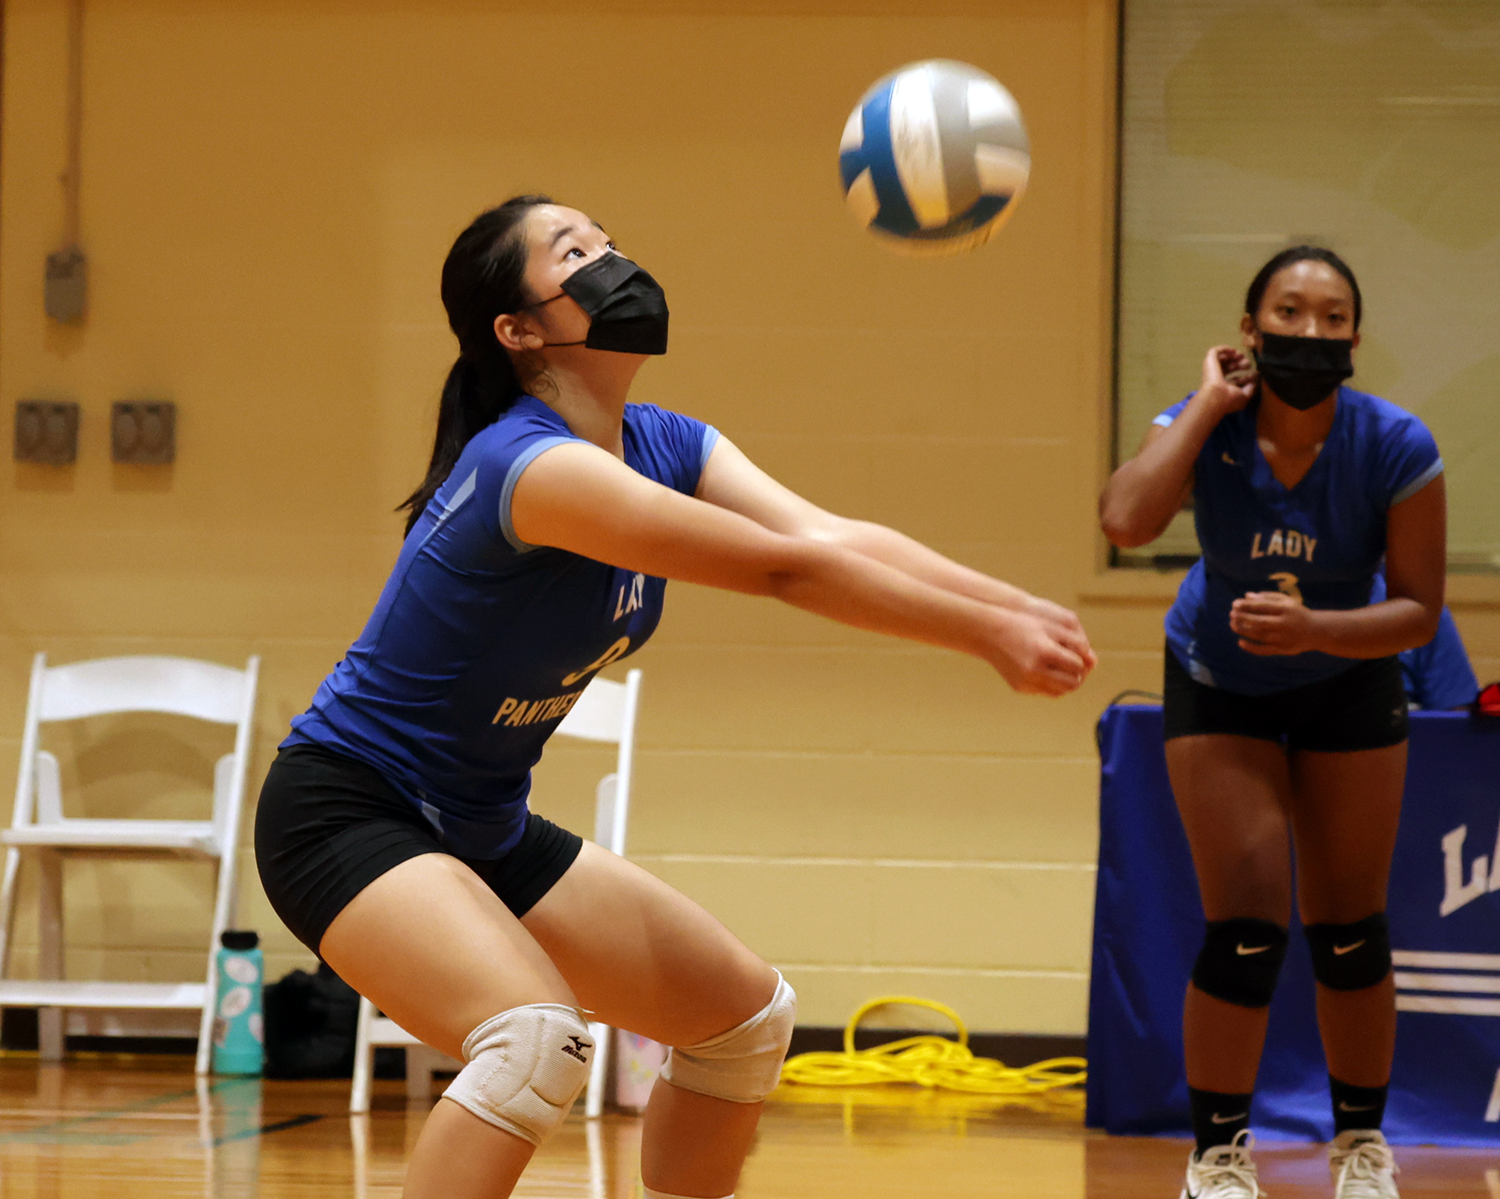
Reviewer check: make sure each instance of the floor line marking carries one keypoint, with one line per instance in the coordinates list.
(24, 1113)
(267, 1129)
(114, 1113)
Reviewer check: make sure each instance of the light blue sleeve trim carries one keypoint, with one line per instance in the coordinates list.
(1164, 420)
(710, 439)
(512, 476)
(461, 497)
(1416, 485)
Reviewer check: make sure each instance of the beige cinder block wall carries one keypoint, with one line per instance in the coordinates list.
(268, 191)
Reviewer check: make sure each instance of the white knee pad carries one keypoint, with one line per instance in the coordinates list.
(525, 1068)
(742, 1065)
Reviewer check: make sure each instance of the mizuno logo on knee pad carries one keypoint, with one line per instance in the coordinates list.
(525, 1068)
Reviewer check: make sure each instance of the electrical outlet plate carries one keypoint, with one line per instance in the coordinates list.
(47, 432)
(143, 432)
(66, 294)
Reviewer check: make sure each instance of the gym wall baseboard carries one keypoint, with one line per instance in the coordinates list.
(18, 1031)
(1014, 1049)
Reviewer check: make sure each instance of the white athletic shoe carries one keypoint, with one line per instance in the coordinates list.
(1225, 1172)
(1362, 1165)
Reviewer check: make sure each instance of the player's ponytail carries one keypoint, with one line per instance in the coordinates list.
(484, 275)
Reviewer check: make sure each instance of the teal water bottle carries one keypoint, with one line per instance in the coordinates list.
(239, 1028)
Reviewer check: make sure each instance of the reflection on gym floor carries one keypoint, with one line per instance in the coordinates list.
(132, 1127)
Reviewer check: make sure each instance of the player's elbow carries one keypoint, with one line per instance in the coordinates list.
(1424, 616)
(1432, 619)
(1122, 535)
(799, 566)
(1124, 528)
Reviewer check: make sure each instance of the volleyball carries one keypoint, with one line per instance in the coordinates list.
(934, 158)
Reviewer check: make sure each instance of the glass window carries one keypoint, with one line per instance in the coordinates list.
(1370, 126)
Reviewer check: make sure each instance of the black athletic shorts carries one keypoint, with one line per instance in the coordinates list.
(1363, 707)
(328, 826)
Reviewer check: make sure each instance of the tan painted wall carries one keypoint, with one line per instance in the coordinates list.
(268, 192)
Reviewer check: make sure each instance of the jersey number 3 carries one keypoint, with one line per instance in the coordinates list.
(1287, 582)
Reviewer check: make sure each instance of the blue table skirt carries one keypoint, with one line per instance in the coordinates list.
(1445, 927)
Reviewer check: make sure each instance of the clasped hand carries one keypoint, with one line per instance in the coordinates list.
(1043, 649)
(1269, 623)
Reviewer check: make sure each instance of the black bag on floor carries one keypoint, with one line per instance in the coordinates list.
(310, 1025)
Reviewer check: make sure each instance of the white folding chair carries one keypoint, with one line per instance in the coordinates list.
(181, 687)
(606, 712)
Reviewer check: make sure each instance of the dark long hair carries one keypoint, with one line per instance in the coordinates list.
(1290, 256)
(484, 275)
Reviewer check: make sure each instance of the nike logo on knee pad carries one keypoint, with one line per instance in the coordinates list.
(1246, 950)
(1218, 1119)
(1340, 950)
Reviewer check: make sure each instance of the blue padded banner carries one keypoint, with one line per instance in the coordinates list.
(1445, 930)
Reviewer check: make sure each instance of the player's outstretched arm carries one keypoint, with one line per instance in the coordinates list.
(580, 498)
(1145, 493)
(730, 480)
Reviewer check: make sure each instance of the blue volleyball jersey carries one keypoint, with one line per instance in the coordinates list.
(480, 644)
(1322, 540)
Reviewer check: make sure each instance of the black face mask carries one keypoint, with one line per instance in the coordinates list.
(1304, 371)
(626, 307)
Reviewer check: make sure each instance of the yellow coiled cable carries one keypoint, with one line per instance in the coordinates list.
(928, 1061)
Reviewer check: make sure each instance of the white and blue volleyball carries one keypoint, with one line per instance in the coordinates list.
(934, 158)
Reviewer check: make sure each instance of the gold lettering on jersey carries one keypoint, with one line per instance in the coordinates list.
(625, 603)
(520, 712)
(1287, 584)
(617, 650)
(506, 709)
(1287, 543)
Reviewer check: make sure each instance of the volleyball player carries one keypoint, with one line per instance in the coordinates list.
(393, 835)
(1285, 714)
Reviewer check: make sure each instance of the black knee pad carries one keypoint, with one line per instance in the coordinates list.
(1351, 957)
(1240, 961)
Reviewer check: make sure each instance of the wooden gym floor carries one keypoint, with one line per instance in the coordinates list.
(128, 1127)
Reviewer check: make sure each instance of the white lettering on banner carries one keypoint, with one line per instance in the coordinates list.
(1484, 872)
(1492, 1116)
(1454, 984)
